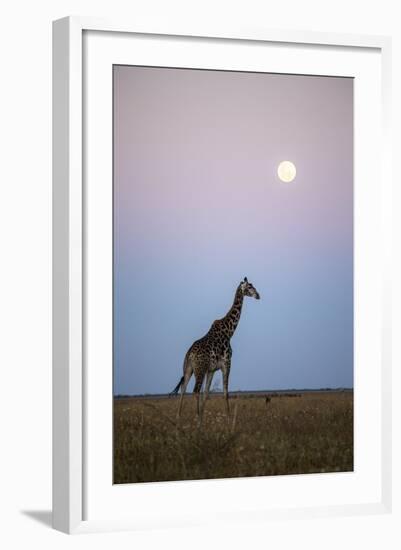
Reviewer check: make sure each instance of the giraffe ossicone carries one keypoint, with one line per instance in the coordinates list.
(213, 351)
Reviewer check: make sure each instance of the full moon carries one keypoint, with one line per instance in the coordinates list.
(286, 171)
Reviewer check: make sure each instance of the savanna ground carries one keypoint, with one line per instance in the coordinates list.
(291, 434)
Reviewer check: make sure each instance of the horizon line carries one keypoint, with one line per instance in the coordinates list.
(337, 388)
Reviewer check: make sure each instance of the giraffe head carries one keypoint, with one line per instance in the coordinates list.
(249, 290)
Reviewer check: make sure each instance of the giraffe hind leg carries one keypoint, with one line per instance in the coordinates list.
(197, 389)
(209, 378)
(187, 377)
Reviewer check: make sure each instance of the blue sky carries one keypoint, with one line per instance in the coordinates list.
(198, 206)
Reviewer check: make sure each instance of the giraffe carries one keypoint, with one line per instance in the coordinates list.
(213, 351)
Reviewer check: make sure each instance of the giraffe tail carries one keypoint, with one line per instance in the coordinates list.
(175, 390)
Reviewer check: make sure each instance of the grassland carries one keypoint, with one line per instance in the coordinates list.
(306, 433)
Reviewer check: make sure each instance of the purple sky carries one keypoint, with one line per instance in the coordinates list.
(198, 206)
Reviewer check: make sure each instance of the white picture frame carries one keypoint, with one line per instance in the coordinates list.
(73, 485)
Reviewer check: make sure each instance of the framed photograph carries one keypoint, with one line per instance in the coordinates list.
(221, 299)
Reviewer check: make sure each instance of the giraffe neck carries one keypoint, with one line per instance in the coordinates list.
(230, 321)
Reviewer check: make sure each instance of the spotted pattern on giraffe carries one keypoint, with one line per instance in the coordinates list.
(213, 351)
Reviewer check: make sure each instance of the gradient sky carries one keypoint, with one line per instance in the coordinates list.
(198, 206)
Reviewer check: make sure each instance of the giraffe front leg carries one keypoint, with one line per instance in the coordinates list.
(226, 373)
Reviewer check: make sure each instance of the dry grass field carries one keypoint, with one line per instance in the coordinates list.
(307, 433)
